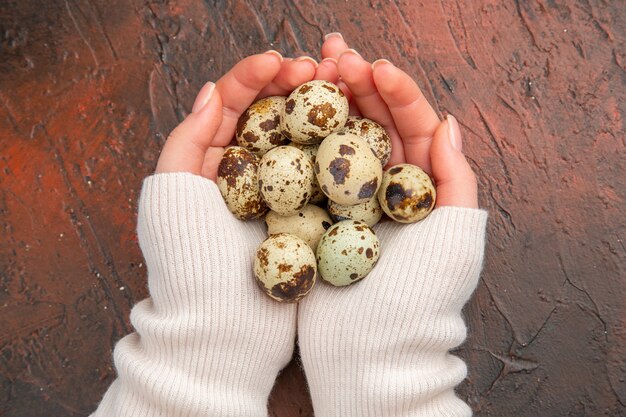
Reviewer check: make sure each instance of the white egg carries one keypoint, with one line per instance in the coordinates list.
(311, 151)
(407, 193)
(258, 128)
(373, 133)
(238, 183)
(285, 268)
(286, 179)
(313, 111)
(347, 252)
(348, 171)
(369, 212)
(309, 224)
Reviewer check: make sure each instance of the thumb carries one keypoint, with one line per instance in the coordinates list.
(454, 179)
(186, 146)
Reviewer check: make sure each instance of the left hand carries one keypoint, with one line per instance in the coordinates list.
(386, 94)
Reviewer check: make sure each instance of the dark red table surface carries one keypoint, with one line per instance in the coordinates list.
(89, 91)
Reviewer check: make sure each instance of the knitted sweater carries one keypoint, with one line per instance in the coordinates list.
(208, 342)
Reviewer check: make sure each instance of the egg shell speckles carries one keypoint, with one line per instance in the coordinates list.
(238, 183)
(347, 252)
(258, 128)
(369, 212)
(347, 170)
(309, 224)
(407, 193)
(373, 133)
(285, 268)
(286, 179)
(313, 111)
(311, 151)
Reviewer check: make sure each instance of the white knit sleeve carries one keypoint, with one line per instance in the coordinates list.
(381, 346)
(207, 340)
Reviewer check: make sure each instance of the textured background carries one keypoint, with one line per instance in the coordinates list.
(90, 89)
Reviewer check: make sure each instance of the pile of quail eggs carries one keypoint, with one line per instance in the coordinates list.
(316, 174)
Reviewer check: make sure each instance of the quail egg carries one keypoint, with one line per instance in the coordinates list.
(407, 194)
(238, 183)
(309, 224)
(318, 196)
(284, 267)
(348, 171)
(313, 111)
(347, 252)
(373, 133)
(286, 179)
(368, 212)
(258, 128)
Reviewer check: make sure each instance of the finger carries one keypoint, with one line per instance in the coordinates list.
(455, 181)
(240, 86)
(354, 110)
(414, 117)
(186, 146)
(212, 160)
(333, 45)
(357, 74)
(292, 73)
(327, 70)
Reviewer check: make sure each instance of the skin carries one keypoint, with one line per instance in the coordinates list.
(379, 91)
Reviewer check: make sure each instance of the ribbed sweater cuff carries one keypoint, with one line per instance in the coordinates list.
(207, 340)
(447, 249)
(181, 218)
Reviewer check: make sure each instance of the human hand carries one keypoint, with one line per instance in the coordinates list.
(387, 95)
(207, 340)
(197, 144)
(380, 346)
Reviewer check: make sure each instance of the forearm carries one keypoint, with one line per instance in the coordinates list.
(391, 343)
(193, 351)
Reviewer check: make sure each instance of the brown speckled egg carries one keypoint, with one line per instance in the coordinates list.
(373, 133)
(313, 111)
(286, 179)
(258, 128)
(348, 171)
(285, 268)
(347, 252)
(368, 212)
(318, 196)
(309, 224)
(239, 185)
(407, 194)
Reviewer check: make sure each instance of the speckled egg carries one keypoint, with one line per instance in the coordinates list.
(347, 252)
(258, 128)
(313, 111)
(286, 179)
(309, 224)
(284, 267)
(239, 185)
(368, 212)
(407, 194)
(373, 133)
(346, 168)
(318, 196)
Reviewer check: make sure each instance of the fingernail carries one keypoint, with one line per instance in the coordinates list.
(333, 60)
(204, 96)
(333, 35)
(307, 59)
(275, 53)
(454, 133)
(380, 62)
(351, 52)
